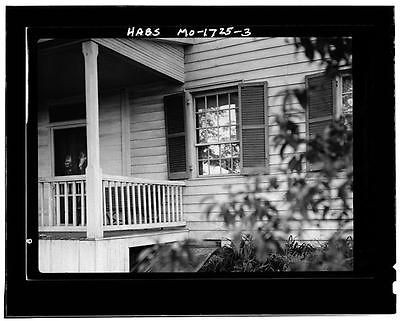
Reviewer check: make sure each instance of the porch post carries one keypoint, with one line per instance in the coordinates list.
(93, 170)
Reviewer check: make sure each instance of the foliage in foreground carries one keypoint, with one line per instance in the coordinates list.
(295, 256)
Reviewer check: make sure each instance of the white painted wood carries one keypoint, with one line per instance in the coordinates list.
(150, 53)
(116, 185)
(181, 203)
(125, 133)
(139, 187)
(159, 203)
(50, 199)
(134, 202)
(151, 214)
(83, 198)
(65, 204)
(93, 170)
(163, 204)
(105, 255)
(41, 202)
(74, 203)
(190, 135)
(128, 202)
(154, 207)
(144, 186)
(168, 204)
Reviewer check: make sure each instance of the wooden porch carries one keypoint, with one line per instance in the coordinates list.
(128, 204)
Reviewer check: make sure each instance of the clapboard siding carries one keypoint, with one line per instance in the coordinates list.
(249, 60)
(110, 130)
(147, 131)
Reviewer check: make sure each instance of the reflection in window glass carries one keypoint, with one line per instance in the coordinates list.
(217, 140)
(347, 99)
(212, 102)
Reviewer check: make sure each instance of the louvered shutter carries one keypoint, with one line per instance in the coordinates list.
(254, 127)
(176, 136)
(321, 102)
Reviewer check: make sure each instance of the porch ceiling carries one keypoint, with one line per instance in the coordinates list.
(61, 71)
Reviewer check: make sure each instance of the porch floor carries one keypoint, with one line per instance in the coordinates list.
(109, 234)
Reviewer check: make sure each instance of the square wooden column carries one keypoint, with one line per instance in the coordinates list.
(93, 171)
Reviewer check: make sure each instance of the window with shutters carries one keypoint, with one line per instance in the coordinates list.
(217, 139)
(176, 136)
(328, 98)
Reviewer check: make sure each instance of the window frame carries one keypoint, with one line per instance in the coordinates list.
(216, 92)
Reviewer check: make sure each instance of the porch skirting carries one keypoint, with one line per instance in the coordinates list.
(106, 255)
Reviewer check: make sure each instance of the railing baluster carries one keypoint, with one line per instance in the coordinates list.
(149, 202)
(163, 203)
(168, 204)
(128, 203)
(159, 202)
(65, 204)
(104, 202)
(181, 203)
(73, 204)
(41, 197)
(110, 215)
(154, 212)
(173, 203)
(50, 204)
(83, 209)
(139, 202)
(58, 201)
(116, 201)
(177, 203)
(133, 186)
(123, 203)
(145, 203)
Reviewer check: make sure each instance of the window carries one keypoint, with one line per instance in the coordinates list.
(70, 151)
(217, 133)
(345, 99)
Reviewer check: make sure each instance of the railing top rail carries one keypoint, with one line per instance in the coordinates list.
(67, 178)
(141, 180)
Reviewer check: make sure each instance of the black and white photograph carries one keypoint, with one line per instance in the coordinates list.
(195, 154)
(205, 150)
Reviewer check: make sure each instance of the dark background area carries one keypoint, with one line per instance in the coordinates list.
(368, 289)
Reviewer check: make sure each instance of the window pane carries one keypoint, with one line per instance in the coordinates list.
(212, 135)
(203, 152)
(347, 103)
(200, 103)
(202, 136)
(224, 134)
(211, 102)
(215, 167)
(201, 120)
(212, 119)
(224, 118)
(203, 168)
(234, 115)
(223, 101)
(226, 166)
(214, 151)
(234, 100)
(235, 165)
(226, 150)
(235, 150)
(233, 133)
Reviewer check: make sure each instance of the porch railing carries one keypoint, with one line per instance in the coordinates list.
(132, 203)
(128, 203)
